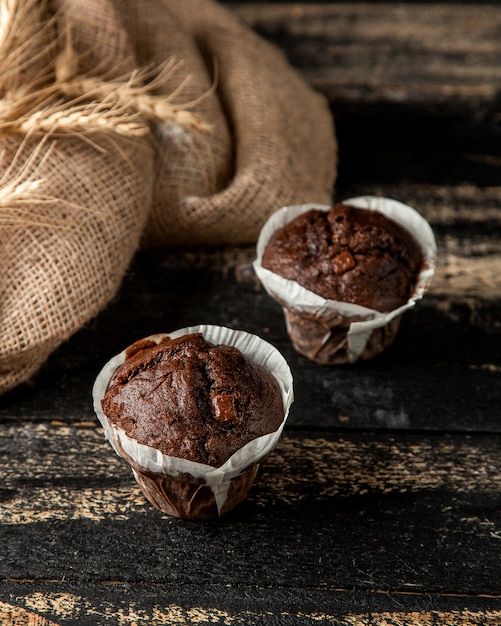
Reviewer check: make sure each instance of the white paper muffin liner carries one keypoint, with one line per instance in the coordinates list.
(217, 478)
(294, 297)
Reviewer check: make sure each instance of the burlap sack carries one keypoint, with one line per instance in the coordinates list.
(129, 122)
(271, 142)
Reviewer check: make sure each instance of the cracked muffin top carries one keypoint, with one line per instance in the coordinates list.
(191, 399)
(349, 255)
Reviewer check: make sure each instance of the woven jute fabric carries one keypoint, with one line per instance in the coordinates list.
(272, 139)
(136, 123)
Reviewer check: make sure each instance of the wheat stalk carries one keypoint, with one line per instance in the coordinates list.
(96, 104)
(21, 192)
(62, 100)
(26, 38)
(8, 11)
(135, 91)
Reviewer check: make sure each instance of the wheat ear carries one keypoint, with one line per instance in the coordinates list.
(21, 191)
(63, 101)
(62, 117)
(135, 91)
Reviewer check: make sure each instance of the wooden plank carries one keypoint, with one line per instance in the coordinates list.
(442, 345)
(130, 605)
(387, 52)
(413, 86)
(401, 513)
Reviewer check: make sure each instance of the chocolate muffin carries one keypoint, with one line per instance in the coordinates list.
(191, 399)
(344, 275)
(347, 254)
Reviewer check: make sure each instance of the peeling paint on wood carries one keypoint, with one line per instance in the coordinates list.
(43, 505)
(69, 607)
(14, 616)
(299, 468)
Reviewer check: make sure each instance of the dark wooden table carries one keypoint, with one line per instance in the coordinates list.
(381, 503)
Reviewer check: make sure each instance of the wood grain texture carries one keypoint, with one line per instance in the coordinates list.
(127, 605)
(414, 87)
(373, 52)
(373, 512)
(51, 458)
